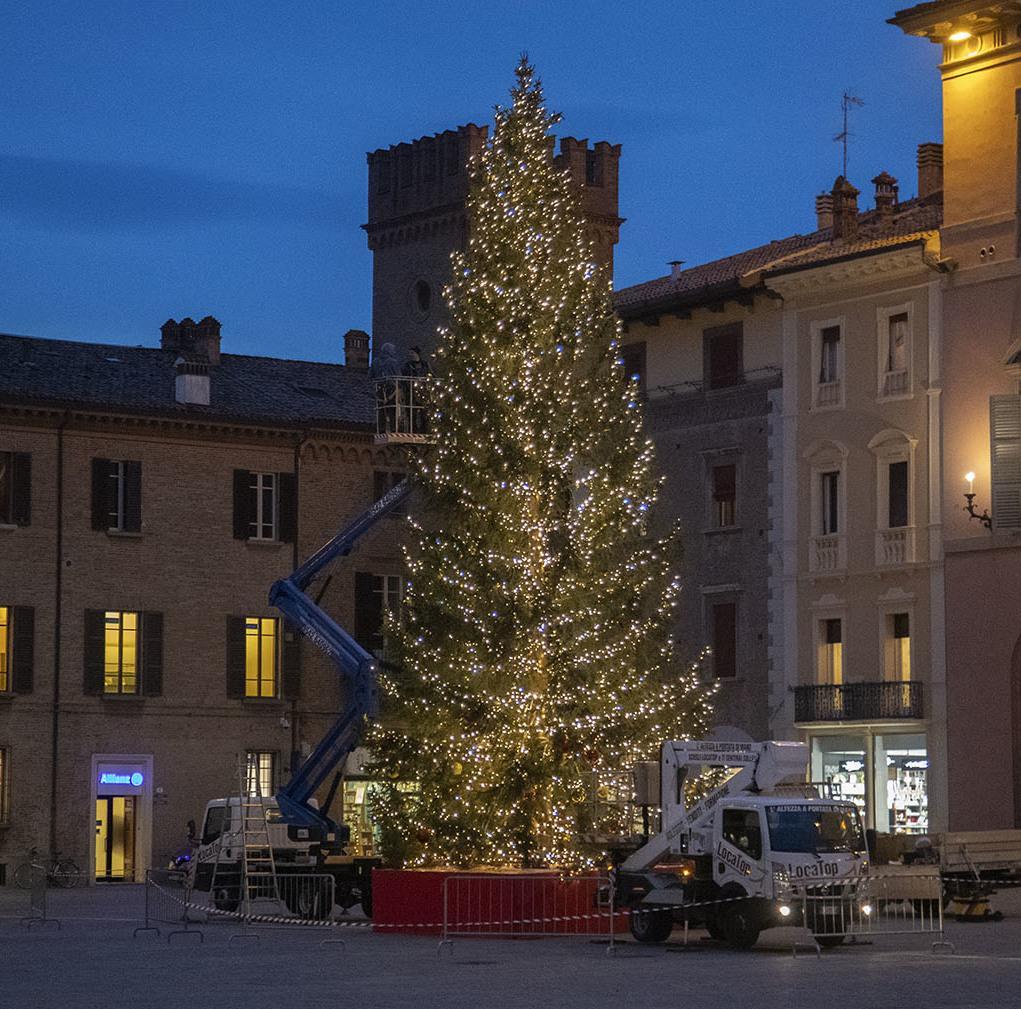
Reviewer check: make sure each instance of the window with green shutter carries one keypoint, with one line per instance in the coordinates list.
(1005, 460)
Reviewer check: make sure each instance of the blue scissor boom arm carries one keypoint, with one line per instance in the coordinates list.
(356, 666)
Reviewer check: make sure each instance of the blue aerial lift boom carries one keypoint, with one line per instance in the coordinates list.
(356, 666)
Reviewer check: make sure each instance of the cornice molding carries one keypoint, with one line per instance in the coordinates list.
(893, 265)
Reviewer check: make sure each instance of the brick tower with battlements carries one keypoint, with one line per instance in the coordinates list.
(417, 218)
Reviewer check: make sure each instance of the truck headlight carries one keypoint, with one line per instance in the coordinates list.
(866, 909)
(785, 910)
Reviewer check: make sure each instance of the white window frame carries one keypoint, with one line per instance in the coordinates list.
(839, 398)
(894, 546)
(711, 459)
(254, 763)
(117, 474)
(824, 555)
(883, 317)
(261, 482)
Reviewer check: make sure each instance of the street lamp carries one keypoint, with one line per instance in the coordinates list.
(969, 495)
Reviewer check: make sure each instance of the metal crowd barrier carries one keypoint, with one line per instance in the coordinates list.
(866, 907)
(164, 907)
(37, 900)
(532, 904)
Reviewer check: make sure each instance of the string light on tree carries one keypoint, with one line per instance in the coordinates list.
(535, 655)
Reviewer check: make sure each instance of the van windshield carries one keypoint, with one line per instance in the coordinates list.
(814, 829)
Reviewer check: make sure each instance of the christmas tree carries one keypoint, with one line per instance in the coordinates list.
(534, 655)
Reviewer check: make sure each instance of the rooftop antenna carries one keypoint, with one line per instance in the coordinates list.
(847, 102)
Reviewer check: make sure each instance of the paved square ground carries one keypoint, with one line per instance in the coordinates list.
(93, 962)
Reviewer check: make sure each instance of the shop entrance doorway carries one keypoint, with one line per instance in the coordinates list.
(115, 838)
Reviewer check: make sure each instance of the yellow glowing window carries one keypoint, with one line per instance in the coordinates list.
(5, 647)
(120, 653)
(260, 657)
(831, 653)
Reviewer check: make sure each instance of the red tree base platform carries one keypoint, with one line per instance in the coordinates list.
(518, 903)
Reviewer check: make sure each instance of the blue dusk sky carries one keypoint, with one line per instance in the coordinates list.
(161, 159)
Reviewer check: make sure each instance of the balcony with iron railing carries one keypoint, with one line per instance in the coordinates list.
(859, 702)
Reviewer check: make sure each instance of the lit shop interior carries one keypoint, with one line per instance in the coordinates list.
(884, 774)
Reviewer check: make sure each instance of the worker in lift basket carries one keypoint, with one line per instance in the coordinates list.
(416, 367)
(385, 371)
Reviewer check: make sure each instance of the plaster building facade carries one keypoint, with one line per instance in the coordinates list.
(148, 499)
(980, 69)
(792, 391)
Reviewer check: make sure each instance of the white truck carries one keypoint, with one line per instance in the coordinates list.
(733, 860)
(298, 851)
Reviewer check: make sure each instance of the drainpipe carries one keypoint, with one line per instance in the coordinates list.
(58, 580)
(295, 560)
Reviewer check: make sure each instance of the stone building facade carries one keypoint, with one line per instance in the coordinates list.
(161, 492)
(417, 218)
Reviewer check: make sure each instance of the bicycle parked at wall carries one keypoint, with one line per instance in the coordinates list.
(62, 872)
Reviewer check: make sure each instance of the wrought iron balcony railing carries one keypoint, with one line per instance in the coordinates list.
(858, 702)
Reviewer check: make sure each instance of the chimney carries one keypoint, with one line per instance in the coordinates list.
(356, 350)
(207, 339)
(930, 169)
(824, 211)
(845, 209)
(886, 194)
(191, 381)
(188, 337)
(675, 267)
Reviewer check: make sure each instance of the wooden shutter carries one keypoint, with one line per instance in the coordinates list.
(132, 496)
(21, 488)
(242, 504)
(22, 649)
(152, 654)
(1005, 456)
(287, 508)
(93, 650)
(236, 656)
(368, 612)
(102, 492)
(290, 659)
(725, 640)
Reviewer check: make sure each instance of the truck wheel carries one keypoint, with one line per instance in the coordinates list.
(366, 898)
(828, 941)
(225, 899)
(306, 898)
(741, 925)
(651, 926)
(715, 929)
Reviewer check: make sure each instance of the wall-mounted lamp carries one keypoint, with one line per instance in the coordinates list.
(985, 518)
(959, 36)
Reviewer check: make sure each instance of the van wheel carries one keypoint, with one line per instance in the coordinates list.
(741, 926)
(651, 926)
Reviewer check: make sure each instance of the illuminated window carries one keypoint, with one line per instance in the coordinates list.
(830, 659)
(897, 646)
(261, 657)
(5, 648)
(120, 653)
(261, 772)
(263, 524)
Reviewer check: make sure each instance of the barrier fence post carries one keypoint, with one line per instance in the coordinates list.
(147, 926)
